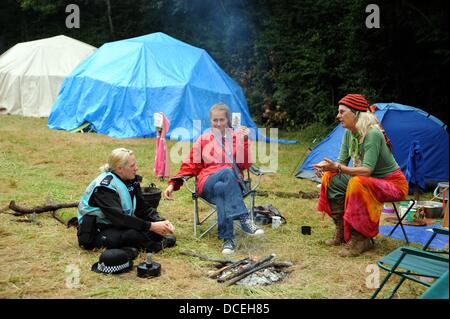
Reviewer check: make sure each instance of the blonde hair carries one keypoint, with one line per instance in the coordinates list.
(366, 121)
(222, 107)
(118, 157)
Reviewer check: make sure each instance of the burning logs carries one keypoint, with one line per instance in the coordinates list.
(247, 270)
(241, 269)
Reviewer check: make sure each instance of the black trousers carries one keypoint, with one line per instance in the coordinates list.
(116, 238)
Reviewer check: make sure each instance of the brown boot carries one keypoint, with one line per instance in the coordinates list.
(356, 245)
(337, 215)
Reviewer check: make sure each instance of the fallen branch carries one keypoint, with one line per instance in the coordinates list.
(19, 210)
(58, 218)
(193, 254)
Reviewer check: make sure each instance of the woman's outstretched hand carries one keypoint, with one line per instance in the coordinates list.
(168, 193)
(326, 165)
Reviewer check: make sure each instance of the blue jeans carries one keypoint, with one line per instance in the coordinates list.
(222, 189)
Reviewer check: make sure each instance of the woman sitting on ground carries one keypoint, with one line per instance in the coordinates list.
(353, 196)
(217, 158)
(113, 214)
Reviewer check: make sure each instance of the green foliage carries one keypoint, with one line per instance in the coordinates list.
(293, 59)
(43, 6)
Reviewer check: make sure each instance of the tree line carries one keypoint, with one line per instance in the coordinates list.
(294, 59)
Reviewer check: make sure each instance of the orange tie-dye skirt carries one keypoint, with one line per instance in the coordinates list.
(364, 200)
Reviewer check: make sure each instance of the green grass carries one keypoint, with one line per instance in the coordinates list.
(38, 164)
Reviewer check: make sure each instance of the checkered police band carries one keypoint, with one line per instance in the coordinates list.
(112, 269)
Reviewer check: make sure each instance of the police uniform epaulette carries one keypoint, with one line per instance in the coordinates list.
(106, 181)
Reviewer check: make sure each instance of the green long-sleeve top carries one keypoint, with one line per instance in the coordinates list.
(373, 153)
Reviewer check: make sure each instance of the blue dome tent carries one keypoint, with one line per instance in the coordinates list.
(119, 88)
(408, 128)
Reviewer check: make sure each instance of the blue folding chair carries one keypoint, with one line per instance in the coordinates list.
(438, 290)
(418, 265)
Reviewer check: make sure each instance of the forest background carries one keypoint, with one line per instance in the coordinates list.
(294, 59)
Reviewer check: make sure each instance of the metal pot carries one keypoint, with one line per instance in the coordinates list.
(431, 209)
(152, 195)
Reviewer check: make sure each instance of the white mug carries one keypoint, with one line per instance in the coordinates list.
(276, 222)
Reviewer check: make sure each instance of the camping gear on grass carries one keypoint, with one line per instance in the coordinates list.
(430, 208)
(152, 195)
(264, 215)
(148, 268)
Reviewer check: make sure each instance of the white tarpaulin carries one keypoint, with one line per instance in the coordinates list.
(31, 73)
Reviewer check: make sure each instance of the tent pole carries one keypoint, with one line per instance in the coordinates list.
(416, 193)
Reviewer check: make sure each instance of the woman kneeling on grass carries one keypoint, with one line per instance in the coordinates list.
(353, 196)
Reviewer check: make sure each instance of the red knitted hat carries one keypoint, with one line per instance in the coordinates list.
(355, 101)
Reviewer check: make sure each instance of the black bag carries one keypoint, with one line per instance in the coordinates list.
(87, 231)
(264, 214)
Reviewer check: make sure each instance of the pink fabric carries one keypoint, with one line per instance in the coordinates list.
(161, 168)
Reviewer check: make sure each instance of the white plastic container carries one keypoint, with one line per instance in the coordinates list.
(276, 222)
(441, 191)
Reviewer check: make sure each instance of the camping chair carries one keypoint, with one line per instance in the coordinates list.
(251, 193)
(400, 220)
(438, 290)
(414, 264)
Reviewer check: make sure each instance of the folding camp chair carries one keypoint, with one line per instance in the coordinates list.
(414, 264)
(400, 220)
(438, 290)
(250, 193)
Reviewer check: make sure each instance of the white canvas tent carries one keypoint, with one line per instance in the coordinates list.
(31, 73)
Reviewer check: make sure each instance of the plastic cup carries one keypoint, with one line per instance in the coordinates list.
(276, 222)
(306, 230)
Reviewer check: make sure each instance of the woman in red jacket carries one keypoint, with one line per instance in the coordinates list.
(217, 159)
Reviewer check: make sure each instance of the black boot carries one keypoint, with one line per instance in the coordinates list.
(154, 246)
(169, 241)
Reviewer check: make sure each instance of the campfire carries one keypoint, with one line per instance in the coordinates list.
(251, 272)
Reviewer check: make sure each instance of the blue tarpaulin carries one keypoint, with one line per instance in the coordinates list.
(403, 125)
(119, 88)
(417, 234)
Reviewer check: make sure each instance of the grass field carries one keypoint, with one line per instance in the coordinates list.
(38, 164)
